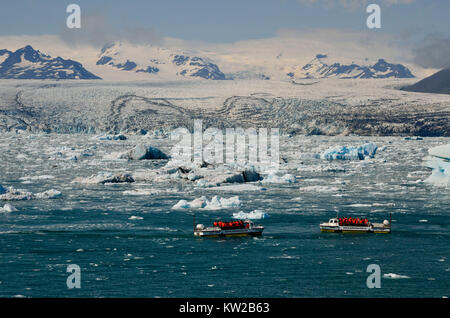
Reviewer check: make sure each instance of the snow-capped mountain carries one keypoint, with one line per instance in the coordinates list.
(28, 63)
(318, 68)
(157, 61)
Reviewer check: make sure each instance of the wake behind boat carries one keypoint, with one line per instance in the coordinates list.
(228, 229)
(355, 225)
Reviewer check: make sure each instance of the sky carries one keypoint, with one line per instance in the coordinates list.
(423, 25)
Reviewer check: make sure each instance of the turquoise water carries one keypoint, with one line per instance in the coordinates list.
(156, 255)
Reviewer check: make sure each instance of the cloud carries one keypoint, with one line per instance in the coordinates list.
(433, 52)
(97, 31)
(351, 4)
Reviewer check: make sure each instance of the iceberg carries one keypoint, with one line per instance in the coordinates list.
(394, 276)
(362, 152)
(274, 178)
(105, 177)
(439, 162)
(13, 194)
(144, 152)
(7, 208)
(110, 137)
(216, 203)
(49, 194)
(254, 215)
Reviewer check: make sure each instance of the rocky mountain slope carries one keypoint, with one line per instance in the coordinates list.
(28, 63)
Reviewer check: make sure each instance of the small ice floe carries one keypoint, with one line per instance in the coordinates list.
(144, 152)
(274, 178)
(140, 152)
(105, 177)
(134, 217)
(359, 205)
(254, 215)
(440, 163)
(423, 221)
(37, 178)
(13, 194)
(319, 189)
(362, 152)
(110, 137)
(395, 276)
(216, 203)
(143, 192)
(7, 208)
(235, 188)
(49, 194)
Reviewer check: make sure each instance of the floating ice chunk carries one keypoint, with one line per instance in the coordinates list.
(33, 178)
(236, 188)
(182, 204)
(442, 151)
(254, 215)
(349, 153)
(105, 177)
(134, 217)
(394, 276)
(18, 194)
(240, 176)
(142, 192)
(142, 152)
(7, 208)
(110, 137)
(49, 194)
(440, 163)
(198, 203)
(440, 176)
(216, 203)
(13, 194)
(319, 189)
(274, 178)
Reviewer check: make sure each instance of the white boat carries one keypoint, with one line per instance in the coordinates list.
(225, 229)
(342, 225)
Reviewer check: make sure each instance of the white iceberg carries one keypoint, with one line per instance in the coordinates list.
(362, 152)
(7, 208)
(13, 194)
(110, 137)
(274, 178)
(394, 276)
(254, 215)
(439, 162)
(105, 177)
(49, 194)
(216, 203)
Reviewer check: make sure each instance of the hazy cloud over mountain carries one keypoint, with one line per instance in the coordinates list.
(434, 52)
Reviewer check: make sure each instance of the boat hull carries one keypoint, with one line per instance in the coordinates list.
(229, 233)
(355, 229)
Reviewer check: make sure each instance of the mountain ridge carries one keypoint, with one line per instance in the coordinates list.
(28, 63)
(318, 68)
